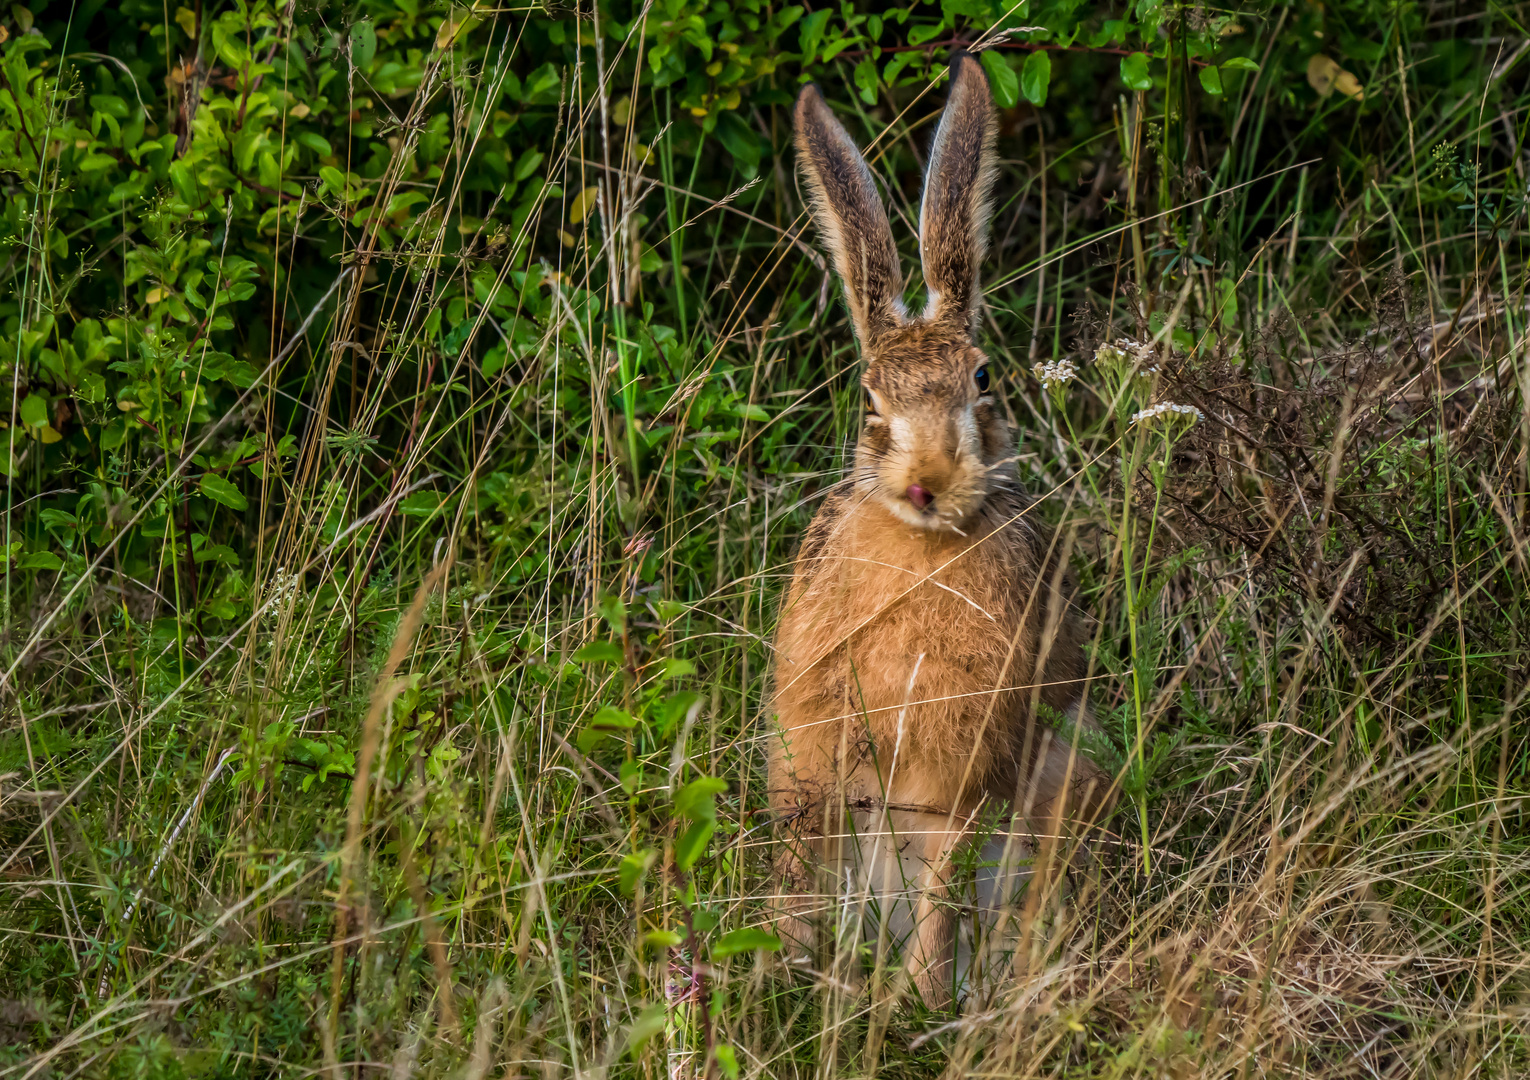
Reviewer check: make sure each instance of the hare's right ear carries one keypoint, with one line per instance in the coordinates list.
(850, 218)
(958, 198)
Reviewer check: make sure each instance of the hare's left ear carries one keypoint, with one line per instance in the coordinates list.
(958, 198)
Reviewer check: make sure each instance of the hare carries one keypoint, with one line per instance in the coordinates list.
(927, 614)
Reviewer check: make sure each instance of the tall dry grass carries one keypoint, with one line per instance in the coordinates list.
(382, 825)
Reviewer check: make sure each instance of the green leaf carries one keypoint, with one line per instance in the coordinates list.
(220, 490)
(420, 504)
(1211, 79)
(693, 843)
(1240, 63)
(739, 139)
(633, 869)
(744, 939)
(527, 165)
(183, 179)
(543, 84)
(111, 105)
(694, 801)
(333, 179)
(600, 652)
(727, 1057)
(217, 553)
(1227, 301)
(1002, 77)
(315, 142)
(838, 44)
(614, 610)
(230, 49)
(669, 714)
(756, 413)
(646, 1026)
(865, 77)
(1134, 72)
(662, 939)
(34, 411)
(1036, 77)
(608, 720)
(96, 162)
(242, 374)
(40, 560)
(811, 33)
(676, 668)
(363, 44)
(786, 16)
(59, 520)
(918, 35)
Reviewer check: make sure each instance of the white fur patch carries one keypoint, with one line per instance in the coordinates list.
(966, 429)
(904, 511)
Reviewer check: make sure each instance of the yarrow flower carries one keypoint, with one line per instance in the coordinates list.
(1109, 354)
(282, 587)
(1055, 373)
(1140, 354)
(1168, 407)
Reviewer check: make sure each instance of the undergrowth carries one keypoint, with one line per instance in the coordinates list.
(414, 413)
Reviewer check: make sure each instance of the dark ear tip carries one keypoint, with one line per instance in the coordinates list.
(960, 54)
(810, 102)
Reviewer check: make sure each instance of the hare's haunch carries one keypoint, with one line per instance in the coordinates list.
(928, 613)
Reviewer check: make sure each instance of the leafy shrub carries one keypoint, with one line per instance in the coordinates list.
(305, 304)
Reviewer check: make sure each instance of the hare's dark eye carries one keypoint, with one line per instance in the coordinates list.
(871, 404)
(981, 378)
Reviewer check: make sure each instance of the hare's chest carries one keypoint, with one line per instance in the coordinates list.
(915, 635)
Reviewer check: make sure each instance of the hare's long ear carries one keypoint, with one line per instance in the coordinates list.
(850, 218)
(958, 189)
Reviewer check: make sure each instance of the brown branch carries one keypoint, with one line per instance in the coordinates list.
(1028, 46)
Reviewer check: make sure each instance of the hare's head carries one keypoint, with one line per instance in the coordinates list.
(934, 443)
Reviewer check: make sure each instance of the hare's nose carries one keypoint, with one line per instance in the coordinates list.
(919, 496)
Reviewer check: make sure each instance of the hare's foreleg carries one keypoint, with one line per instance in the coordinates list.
(797, 901)
(1067, 791)
(932, 952)
(807, 801)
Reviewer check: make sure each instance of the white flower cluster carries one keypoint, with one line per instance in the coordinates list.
(1141, 354)
(1055, 373)
(282, 587)
(1108, 354)
(1168, 407)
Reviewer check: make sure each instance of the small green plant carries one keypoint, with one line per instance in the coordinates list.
(304, 307)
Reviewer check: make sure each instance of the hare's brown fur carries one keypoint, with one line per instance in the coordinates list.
(918, 636)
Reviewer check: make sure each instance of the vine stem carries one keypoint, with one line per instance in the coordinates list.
(701, 991)
(1026, 46)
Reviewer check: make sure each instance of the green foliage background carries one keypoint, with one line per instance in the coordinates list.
(158, 254)
(303, 300)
